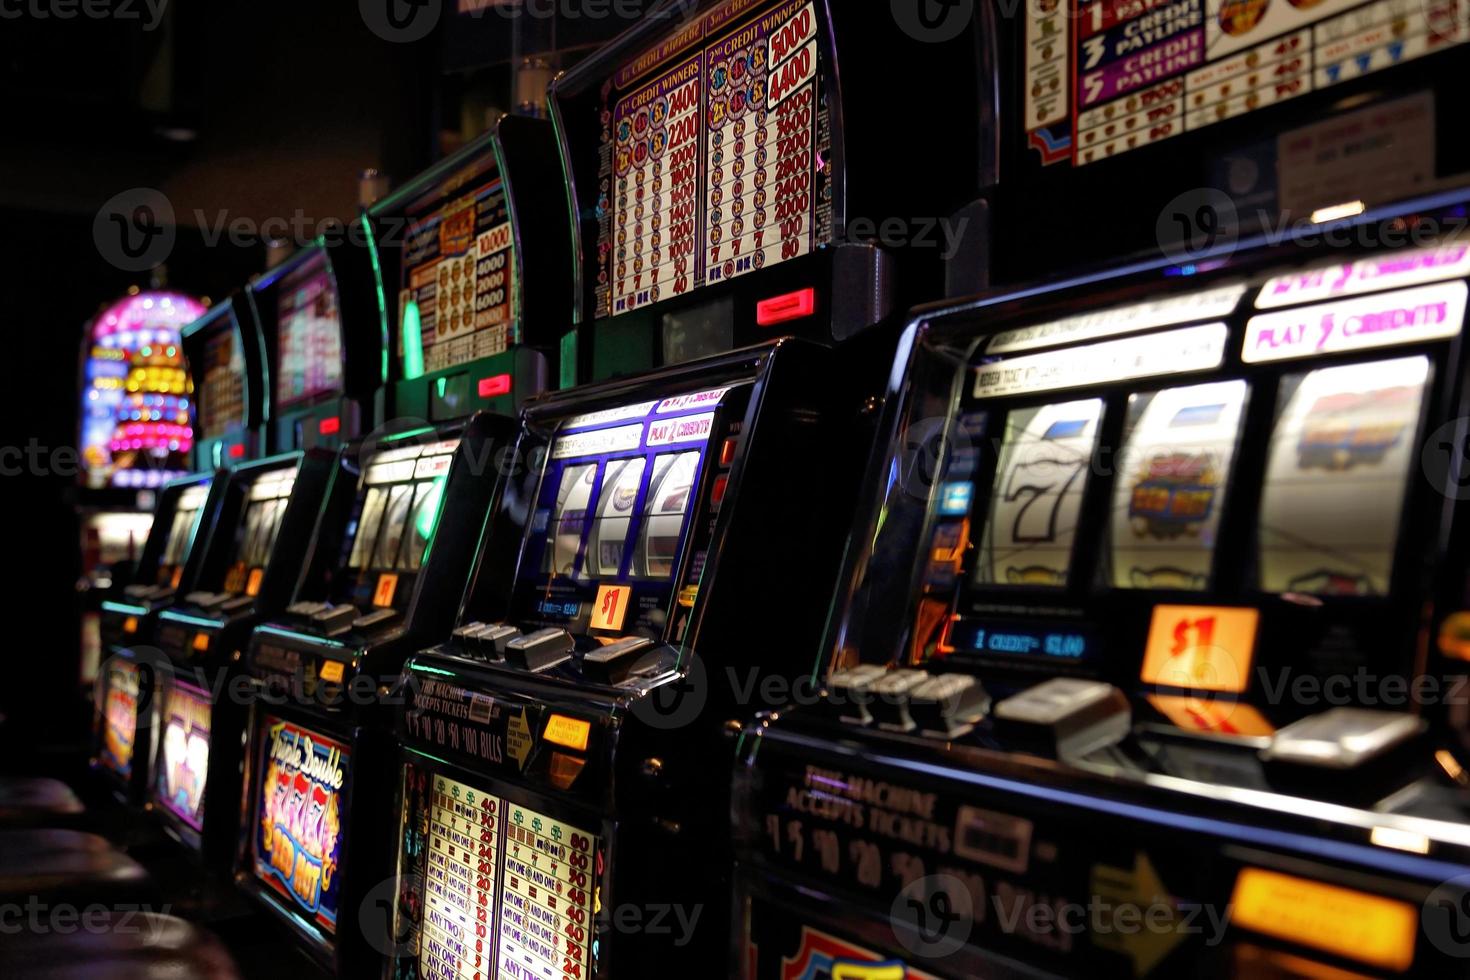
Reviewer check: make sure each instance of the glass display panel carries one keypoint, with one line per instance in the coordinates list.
(1043, 469)
(1170, 490)
(1340, 460)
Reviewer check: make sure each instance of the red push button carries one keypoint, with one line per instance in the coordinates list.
(717, 493)
(727, 450)
(329, 426)
(787, 306)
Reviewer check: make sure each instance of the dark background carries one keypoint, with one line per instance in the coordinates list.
(254, 110)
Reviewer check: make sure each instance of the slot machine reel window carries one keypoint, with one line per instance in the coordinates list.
(1171, 482)
(181, 531)
(310, 332)
(1338, 471)
(615, 512)
(400, 510)
(269, 496)
(1043, 470)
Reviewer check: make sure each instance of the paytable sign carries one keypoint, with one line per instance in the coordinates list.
(459, 908)
(1149, 70)
(716, 158)
(548, 886)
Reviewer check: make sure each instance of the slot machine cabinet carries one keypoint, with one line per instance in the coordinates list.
(577, 717)
(122, 747)
(729, 170)
(252, 558)
(324, 334)
(1135, 521)
(397, 539)
(386, 573)
(478, 274)
(227, 361)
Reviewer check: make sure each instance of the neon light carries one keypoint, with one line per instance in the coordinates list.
(124, 608)
(382, 299)
(428, 520)
(413, 342)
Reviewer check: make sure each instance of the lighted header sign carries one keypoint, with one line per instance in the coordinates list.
(1102, 78)
(297, 832)
(1404, 316)
(1390, 271)
(1211, 304)
(1171, 352)
(715, 154)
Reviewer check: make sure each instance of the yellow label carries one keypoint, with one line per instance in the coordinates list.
(130, 625)
(610, 607)
(201, 642)
(332, 671)
(1201, 648)
(387, 585)
(571, 732)
(252, 587)
(1367, 928)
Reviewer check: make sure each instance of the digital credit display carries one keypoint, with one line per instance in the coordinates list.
(297, 831)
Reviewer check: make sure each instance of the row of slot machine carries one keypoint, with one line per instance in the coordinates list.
(593, 571)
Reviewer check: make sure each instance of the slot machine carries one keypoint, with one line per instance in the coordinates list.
(169, 564)
(320, 320)
(260, 540)
(1153, 558)
(478, 271)
(574, 727)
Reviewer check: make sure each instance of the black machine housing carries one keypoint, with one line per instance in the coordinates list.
(172, 560)
(642, 770)
(253, 557)
(325, 665)
(1169, 789)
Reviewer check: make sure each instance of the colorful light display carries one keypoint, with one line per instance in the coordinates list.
(137, 405)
